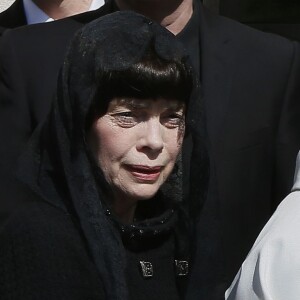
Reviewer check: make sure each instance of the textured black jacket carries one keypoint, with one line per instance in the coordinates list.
(44, 255)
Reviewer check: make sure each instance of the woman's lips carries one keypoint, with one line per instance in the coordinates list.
(144, 173)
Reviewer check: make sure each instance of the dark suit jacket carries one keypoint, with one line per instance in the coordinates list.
(2, 29)
(250, 83)
(280, 16)
(14, 16)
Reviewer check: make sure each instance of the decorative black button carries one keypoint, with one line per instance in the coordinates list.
(147, 269)
(181, 267)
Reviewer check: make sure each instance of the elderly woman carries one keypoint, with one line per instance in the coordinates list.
(106, 217)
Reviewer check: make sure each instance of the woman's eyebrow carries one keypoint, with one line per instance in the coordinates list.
(138, 104)
(175, 105)
(144, 104)
(132, 103)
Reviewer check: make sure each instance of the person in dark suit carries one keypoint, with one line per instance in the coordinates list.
(250, 94)
(26, 12)
(277, 16)
(1, 30)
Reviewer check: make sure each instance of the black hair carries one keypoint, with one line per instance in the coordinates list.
(151, 77)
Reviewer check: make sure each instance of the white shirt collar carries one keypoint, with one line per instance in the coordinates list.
(35, 15)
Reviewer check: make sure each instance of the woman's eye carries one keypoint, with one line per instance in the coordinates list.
(125, 119)
(173, 120)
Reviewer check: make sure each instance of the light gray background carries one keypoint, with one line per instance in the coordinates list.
(4, 4)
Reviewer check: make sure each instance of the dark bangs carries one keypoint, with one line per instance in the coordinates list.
(150, 78)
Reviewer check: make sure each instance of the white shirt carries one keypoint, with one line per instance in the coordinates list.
(35, 15)
(271, 270)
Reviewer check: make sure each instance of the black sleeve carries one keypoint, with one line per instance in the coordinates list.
(42, 256)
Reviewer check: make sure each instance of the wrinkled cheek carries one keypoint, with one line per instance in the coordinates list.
(124, 184)
(107, 165)
(168, 170)
(174, 143)
(174, 151)
(180, 142)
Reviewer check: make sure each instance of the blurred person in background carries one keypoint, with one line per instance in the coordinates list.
(26, 12)
(276, 16)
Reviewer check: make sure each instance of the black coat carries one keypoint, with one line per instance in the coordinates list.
(41, 244)
(251, 96)
(44, 255)
(14, 16)
(2, 29)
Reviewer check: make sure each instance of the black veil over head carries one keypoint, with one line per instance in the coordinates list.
(56, 164)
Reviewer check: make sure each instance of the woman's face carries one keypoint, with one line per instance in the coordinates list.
(136, 144)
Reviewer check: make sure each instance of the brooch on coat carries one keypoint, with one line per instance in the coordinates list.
(181, 268)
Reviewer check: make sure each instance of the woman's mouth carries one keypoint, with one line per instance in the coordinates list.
(144, 173)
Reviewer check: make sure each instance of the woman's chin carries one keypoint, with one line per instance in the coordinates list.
(143, 192)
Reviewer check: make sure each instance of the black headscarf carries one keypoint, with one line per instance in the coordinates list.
(57, 165)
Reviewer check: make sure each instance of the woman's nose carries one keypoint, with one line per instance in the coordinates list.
(152, 136)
